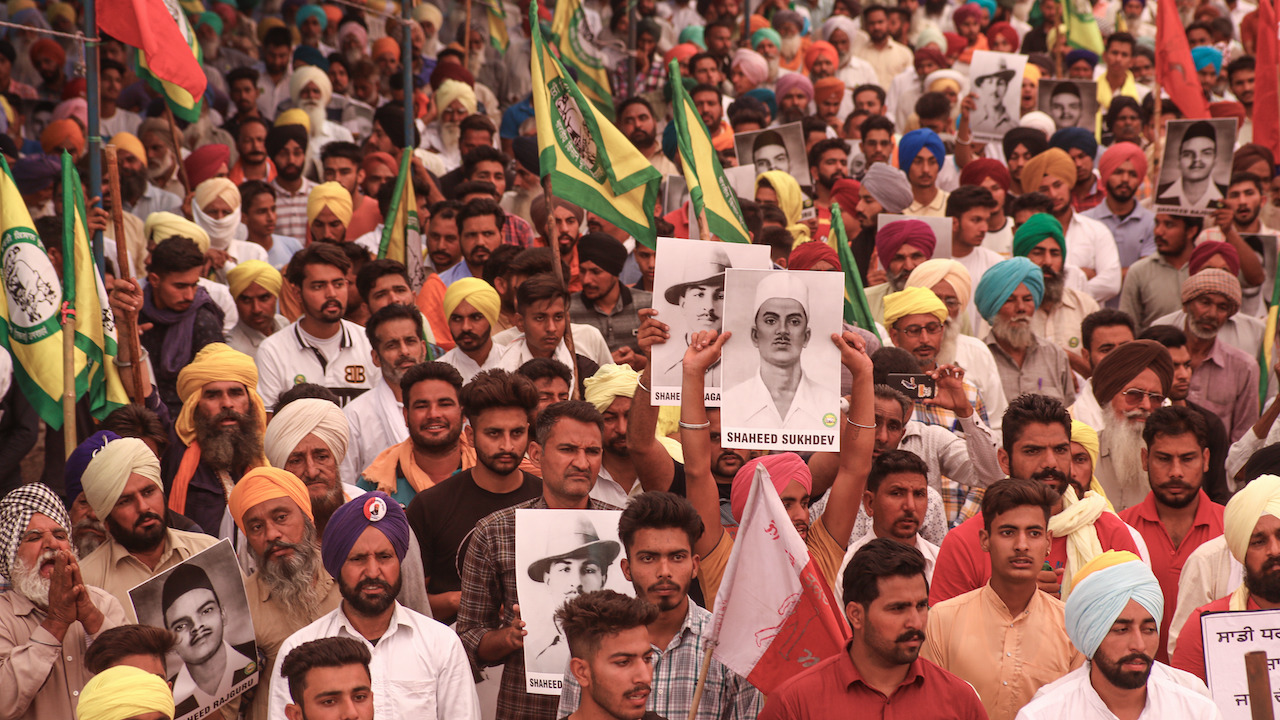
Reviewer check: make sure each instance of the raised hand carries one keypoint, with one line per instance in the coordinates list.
(853, 352)
(651, 331)
(704, 350)
(951, 396)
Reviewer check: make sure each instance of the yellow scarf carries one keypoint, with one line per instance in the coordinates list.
(1075, 523)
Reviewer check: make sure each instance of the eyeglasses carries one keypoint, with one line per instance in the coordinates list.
(952, 303)
(1134, 396)
(913, 331)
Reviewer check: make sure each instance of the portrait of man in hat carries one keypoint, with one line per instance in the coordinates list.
(1189, 165)
(993, 75)
(1070, 103)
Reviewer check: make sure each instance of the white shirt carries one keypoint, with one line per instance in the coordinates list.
(288, 358)
(122, 121)
(419, 669)
(926, 548)
(1086, 408)
(1171, 693)
(587, 342)
(977, 263)
(1210, 573)
(247, 340)
(185, 687)
(980, 370)
(518, 353)
(467, 367)
(607, 490)
(758, 410)
(221, 296)
(375, 422)
(1091, 245)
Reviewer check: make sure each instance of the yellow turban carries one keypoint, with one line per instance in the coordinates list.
(1260, 497)
(300, 418)
(330, 195)
(294, 116)
(451, 90)
(254, 271)
(479, 293)
(610, 383)
(215, 188)
(122, 692)
(266, 24)
(931, 272)
(1055, 162)
(129, 143)
(790, 201)
(161, 226)
(215, 362)
(108, 472)
(1087, 437)
(913, 301)
(943, 83)
(62, 11)
(426, 12)
(266, 483)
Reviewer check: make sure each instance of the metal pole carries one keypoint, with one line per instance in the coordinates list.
(406, 52)
(95, 108)
(632, 16)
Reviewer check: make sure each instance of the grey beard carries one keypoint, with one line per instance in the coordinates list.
(28, 583)
(293, 581)
(1017, 335)
(1123, 440)
(898, 282)
(163, 170)
(229, 450)
(1053, 289)
(1194, 330)
(790, 46)
(87, 542)
(476, 63)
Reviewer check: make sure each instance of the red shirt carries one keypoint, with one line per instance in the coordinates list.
(834, 689)
(1189, 654)
(1167, 560)
(963, 566)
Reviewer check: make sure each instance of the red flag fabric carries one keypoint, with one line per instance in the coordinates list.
(155, 27)
(1266, 93)
(1175, 72)
(774, 597)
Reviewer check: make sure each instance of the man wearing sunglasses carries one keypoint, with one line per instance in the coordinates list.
(1130, 383)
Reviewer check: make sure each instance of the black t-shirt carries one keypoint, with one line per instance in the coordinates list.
(442, 515)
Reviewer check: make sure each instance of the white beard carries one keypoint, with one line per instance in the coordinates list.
(790, 46)
(1015, 333)
(476, 63)
(450, 134)
(163, 171)
(28, 583)
(772, 75)
(1122, 439)
(316, 113)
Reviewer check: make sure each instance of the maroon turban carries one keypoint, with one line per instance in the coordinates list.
(1208, 249)
(845, 194)
(203, 164)
(893, 236)
(806, 255)
(1125, 363)
(451, 71)
(981, 169)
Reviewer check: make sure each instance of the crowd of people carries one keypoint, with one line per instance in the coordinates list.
(1098, 468)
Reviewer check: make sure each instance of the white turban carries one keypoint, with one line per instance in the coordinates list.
(300, 418)
(108, 472)
(1102, 590)
(310, 74)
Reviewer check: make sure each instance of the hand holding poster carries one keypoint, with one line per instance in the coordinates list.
(1227, 637)
(782, 372)
(1196, 166)
(997, 83)
(203, 602)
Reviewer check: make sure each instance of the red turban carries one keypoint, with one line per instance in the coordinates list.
(44, 47)
(806, 255)
(1005, 30)
(845, 194)
(1228, 109)
(681, 52)
(203, 164)
(955, 43)
(783, 468)
(1117, 155)
(981, 169)
(1209, 248)
(821, 47)
(894, 235)
(451, 71)
(374, 159)
(931, 54)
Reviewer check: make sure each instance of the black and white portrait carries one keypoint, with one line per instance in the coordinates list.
(1071, 103)
(203, 602)
(782, 371)
(941, 227)
(997, 83)
(561, 554)
(688, 293)
(1196, 167)
(777, 148)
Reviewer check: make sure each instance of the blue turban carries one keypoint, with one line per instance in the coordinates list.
(766, 96)
(669, 146)
(1075, 138)
(307, 11)
(373, 509)
(1079, 54)
(1207, 55)
(1001, 279)
(311, 56)
(913, 142)
(1102, 589)
(988, 5)
(79, 459)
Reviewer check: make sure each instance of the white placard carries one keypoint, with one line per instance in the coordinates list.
(1227, 637)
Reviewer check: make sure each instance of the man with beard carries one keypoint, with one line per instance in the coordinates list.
(162, 171)
(1122, 170)
(636, 121)
(1240, 217)
(397, 344)
(884, 189)
(605, 303)
(1093, 249)
(658, 532)
(1129, 384)
(211, 666)
(1217, 336)
(1112, 618)
(122, 485)
(613, 659)
(828, 162)
(901, 247)
(287, 149)
(921, 155)
(1007, 297)
(434, 448)
(1251, 526)
(274, 70)
(1177, 516)
(364, 544)
(328, 213)
(886, 56)
(144, 198)
(49, 60)
(1153, 284)
(321, 346)
(251, 147)
(795, 94)
(480, 225)
(456, 101)
(1003, 616)
(471, 307)
(255, 285)
(49, 615)
(1063, 309)
(290, 590)
(611, 390)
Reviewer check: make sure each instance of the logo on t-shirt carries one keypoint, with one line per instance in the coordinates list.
(354, 374)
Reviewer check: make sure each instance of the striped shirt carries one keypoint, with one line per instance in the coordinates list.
(291, 210)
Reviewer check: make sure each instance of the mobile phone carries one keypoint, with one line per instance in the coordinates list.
(1217, 204)
(916, 386)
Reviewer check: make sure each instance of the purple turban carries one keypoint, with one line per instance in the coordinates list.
(373, 509)
(790, 82)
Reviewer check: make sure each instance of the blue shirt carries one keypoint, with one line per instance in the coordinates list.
(1134, 233)
(514, 117)
(282, 249)
(455, 273)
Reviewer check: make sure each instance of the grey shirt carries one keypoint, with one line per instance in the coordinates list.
(1152, 288)
(620, 324)
(1045, 371)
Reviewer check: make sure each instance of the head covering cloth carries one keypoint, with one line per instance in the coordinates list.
(922, 139)
(300, 418)
(931, 272)
(891, 238)
(608, 384)
(374, 509)
(216, 362)
(782, 468)
(1126, 362)
(1035, 230)
(478, 293)
(123, 691)
(1052, 162)
(329, 195)
(240, 277)
(1207, 249)
(267, 483)
(913, 301)
(1215, 281)
(16, 510)
(106, 475)
(1001, 280)
(1101, 590)
(888, 186)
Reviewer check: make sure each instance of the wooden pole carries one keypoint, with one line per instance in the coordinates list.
(69, 436)
(1258, 675)
(564, 283)
(704, 230)
(702, 680)
(124, 271)
(177, 151)
(466, 50)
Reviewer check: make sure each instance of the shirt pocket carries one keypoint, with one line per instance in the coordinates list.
(413, 697)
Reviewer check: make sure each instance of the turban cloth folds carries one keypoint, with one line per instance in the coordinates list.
(923, 139)
(478, 293)
(1130, 359)
(73, 470)
(820, 48)
(753, 65)
(1207, 249)
(123, 692)
(1002, 279)
(108, 472)
(203, 165)
(608, 384)
(216, 362)
(790, 200)
(794, 81)
(311, 11)
(888, 186)
(161, 226)
(913, 301)
(1119, 154)
(1075, 138)
(983, 168)
(240, 277)
(931, 272)
(329, 195)
(451, 90)
(806, 255)
(1215, 281)
(827, 88)
(374, 509)
(891, 238)
(16, 510)
(300, 418)
(265, 483)
(1103, 588)
(1054, 162)
(131, 144)
(1035, 230)
(64, 133)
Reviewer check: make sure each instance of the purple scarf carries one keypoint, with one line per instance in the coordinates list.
(177, 350)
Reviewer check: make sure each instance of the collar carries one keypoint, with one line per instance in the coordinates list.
(344, 343)
(1146, 510)
(119, 554)
(22, 605)
(399, 618)
(849, 676)
(990, 597)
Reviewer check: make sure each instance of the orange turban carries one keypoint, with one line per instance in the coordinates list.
(385, 45)
(826, 87)
(820, 47)
(266, 483)
(63, 133)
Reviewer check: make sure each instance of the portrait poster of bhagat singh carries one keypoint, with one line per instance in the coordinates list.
(688, 293)
(997, 83)
(782, 370)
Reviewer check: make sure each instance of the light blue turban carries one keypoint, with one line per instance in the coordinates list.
(989, 6)
(1097, 600)
(307, 11)
(694, 34)
(1207, 55)
(913, 142)
(1001, 279)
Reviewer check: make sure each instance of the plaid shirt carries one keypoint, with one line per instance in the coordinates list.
(726, 696)
(1092, 200)
(960, 502)
(291, 210)
(935, 415)
(647, 80)
(517, 231)
(488, 593)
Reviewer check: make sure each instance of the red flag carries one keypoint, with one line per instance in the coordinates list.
(1266, 93)
(159, 29)
(774, 597)
(1175, 72)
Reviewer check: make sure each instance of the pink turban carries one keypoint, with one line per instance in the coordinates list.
(1209, 248)
(783, 468)
(790, 82)
(753, 65)
(77, 108)
(894, 235)
(1116, 155)
(681, 52)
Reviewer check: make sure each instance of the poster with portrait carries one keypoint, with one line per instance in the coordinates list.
(1196, 167)
(941, 227)
(1071, 103)
(202, 601)
(782, 372)
(675, 193)
(997, 82)
(688, 293)
(561, 554)
(776, 148)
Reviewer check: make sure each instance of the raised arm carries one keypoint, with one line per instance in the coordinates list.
(695, 436)
(971, 461)
(857, 440)
(654, 467)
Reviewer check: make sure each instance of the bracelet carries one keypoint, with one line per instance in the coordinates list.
(695, 426)
(640, 384)
(119, 364)
(859, 425)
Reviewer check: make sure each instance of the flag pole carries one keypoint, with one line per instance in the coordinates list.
(466, 45)
(68, 378)
(92, 75)
(406, 43)
(702, 680)
(177, 151)
(123, 271)
(564, 282)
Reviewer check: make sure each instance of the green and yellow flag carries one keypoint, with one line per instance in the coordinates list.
(591, 163)
(1266, 356)
(33, 298)
(576, 42)
(402, 233)
(1082, 26)
(856, 309)
(709, 189)
(497, 16)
